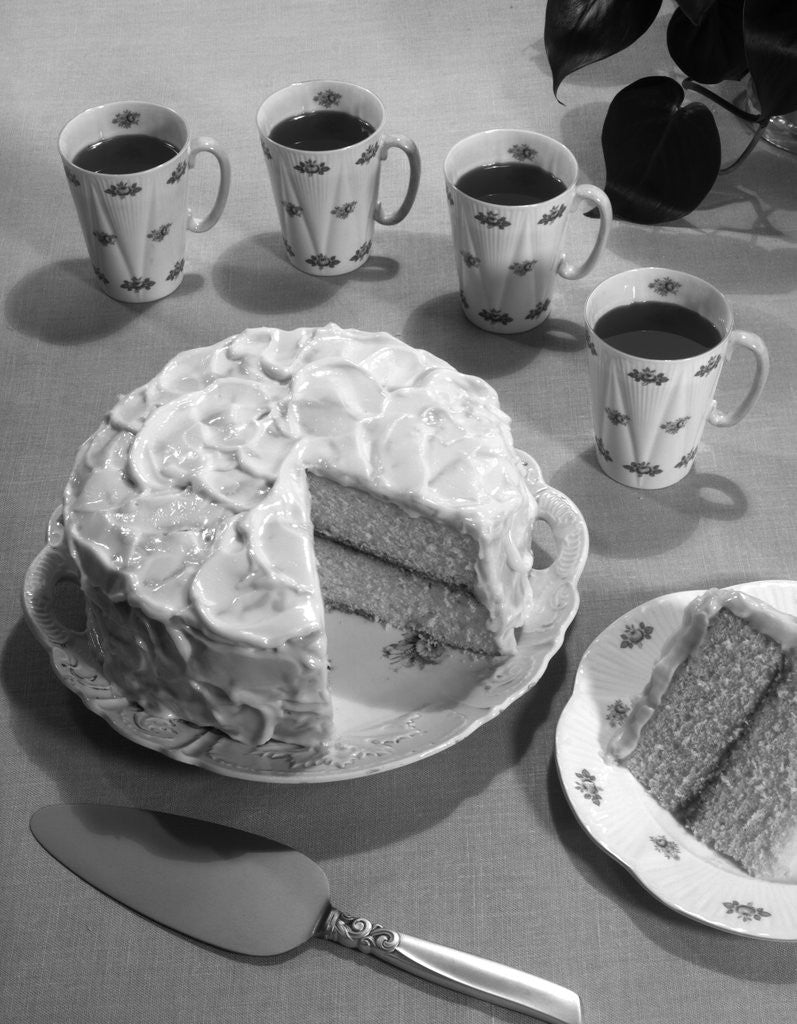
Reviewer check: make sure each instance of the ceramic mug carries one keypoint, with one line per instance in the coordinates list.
(327, 196)
(508, 255)
(134, 221)
(652, 395)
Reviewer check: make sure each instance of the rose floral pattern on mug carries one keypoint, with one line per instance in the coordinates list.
(134, 222)
(325, 175)
(652, 391)
(508, 245)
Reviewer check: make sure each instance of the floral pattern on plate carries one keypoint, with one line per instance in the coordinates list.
(616, 811)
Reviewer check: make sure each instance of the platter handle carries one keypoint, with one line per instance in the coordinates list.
(50, 568)
(570, 539)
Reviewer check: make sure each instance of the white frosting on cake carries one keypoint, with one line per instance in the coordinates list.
(190, 504)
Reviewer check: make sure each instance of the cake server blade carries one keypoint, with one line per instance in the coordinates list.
(248, 894)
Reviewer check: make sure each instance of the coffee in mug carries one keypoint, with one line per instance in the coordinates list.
(321, 130)
(510, 193)
(325, 145)
(657, 341)
(127, 165)
(125, 154)
(510, 184)
(658, 330)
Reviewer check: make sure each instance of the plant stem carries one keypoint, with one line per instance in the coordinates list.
(725, 104)
(757, 119)
(746, 151)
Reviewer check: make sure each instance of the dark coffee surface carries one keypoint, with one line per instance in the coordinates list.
(320, 130)
(657, 330)
(125, 154)
(510, 184)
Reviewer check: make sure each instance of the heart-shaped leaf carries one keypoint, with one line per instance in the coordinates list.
(581, 32)
(770, 37)
(712, 50)
(662, 157)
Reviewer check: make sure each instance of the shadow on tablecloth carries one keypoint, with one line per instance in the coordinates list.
(60, 304)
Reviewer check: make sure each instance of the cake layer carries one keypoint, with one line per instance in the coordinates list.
(704, 709)
(354, 581)
(749, 810)
(385, 530)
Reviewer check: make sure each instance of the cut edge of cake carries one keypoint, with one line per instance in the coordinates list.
(697, 732)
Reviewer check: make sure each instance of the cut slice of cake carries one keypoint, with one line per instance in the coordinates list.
(220, 507)
(749, 810)
(713, 737)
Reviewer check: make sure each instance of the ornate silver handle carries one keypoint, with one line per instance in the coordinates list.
(463, 972)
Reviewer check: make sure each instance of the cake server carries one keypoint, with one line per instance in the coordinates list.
(247, 894)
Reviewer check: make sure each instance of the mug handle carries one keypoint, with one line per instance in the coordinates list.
(205, 144)
(407, 146)
(592, 194)
(759, 350)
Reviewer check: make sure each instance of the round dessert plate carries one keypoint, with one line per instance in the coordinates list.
(621, 816)
(396, 697)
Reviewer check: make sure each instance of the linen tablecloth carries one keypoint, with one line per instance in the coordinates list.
(475, 847)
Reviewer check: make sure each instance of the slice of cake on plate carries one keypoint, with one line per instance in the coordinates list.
(714, 735)
(220, 508)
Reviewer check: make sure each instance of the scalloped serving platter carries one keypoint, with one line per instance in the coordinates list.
(395, 699)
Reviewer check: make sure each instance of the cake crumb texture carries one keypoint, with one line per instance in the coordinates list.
(704, 710)
(713, 737)
(749, 810)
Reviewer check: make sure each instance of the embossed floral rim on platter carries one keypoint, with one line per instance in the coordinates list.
(396, 697)
(617, 812)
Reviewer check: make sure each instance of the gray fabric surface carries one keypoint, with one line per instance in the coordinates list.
(475, 847)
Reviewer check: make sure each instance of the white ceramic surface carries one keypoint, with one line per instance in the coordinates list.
(328, 201)
(134, 225)
(618, 813)
(508, 257)
(396, 699)
(648, 415)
